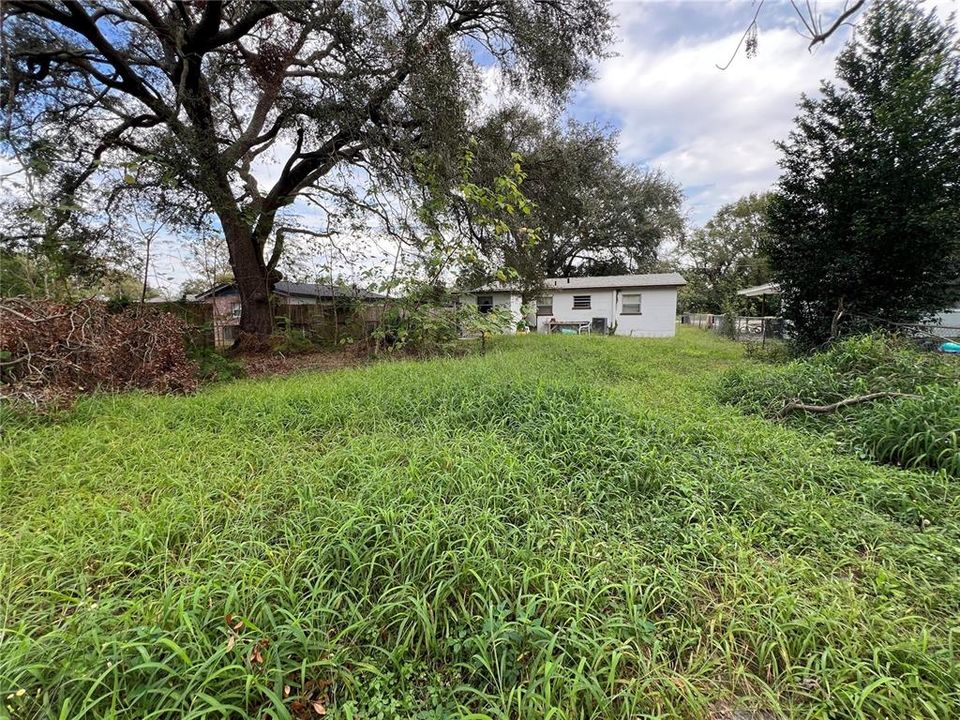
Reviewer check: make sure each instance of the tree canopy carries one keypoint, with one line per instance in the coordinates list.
(595, 215)
(726, 255)
(185, 101)
(866, 219)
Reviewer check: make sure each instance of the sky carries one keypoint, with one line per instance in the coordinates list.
(712, 130)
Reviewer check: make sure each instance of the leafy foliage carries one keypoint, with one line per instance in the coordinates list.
(435, 326)
(595, 214)
(561, 527)
(136, 96)
(725, 255)
(866, 219)
(214, 366)
(906, 430)
(923, 431)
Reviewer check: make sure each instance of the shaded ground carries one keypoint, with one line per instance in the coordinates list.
(262, 366)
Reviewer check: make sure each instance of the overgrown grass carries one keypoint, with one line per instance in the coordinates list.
(919, 431)
(562, 528)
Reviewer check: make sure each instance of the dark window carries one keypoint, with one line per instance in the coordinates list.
(581, 302)
(484, 303)
(545, 305)
(631, 303)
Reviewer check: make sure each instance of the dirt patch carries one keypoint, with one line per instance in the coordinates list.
(267, 365)
(725, 711)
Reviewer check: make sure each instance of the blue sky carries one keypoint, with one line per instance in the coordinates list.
(711, 130)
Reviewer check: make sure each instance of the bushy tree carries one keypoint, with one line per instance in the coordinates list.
(188, 97)
(726, 255)
(866, 220)
(595, 214)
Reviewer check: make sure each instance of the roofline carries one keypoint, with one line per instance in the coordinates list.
(770, 288)
(362, 294)
(212, 291)
(654, 286)
(561, 281)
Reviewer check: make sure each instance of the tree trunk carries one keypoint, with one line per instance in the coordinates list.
(254, 283)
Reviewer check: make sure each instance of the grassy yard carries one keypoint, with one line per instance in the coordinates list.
(562, 528)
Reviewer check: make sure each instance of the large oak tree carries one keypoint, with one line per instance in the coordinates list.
(595, 214)
(726, 255)
(195, 94)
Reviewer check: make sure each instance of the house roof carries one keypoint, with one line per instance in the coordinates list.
(758, 290)
(309, 290)
(616, 281)
(596, 282)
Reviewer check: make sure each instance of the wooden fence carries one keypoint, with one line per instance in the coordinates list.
(327, 322)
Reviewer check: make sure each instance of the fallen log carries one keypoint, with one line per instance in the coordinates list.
(832, 407)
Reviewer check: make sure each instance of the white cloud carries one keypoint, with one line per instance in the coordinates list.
(712, 130)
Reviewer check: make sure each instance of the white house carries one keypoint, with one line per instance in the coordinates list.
(632, 305)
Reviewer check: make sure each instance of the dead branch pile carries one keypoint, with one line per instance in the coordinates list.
(50, 350)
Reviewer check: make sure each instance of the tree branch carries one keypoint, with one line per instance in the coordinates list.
(832, 407)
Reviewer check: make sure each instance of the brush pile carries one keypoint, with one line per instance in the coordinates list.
(51, 351)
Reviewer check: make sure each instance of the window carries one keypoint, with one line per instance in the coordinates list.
(631, 303)
(545, 305)
(235, 311)
(484, 303)
(581, 302)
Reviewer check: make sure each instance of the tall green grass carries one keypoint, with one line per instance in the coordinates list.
(561, 528)
(920, 431)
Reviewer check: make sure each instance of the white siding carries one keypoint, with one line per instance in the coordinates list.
(658, 313)
(513, 301)
(657, 318)
(602, 304)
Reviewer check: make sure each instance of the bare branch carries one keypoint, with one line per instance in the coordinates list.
(847, 402)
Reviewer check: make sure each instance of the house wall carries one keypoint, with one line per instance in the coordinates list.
(512, 301)
(657, 318)
(225, 321)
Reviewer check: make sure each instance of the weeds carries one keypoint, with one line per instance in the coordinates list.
(909, 431)
(563, 527)
(214, 366)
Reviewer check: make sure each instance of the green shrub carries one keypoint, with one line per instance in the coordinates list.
(291, 341)
(915, 431)
(772, 351)
(213, 366)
